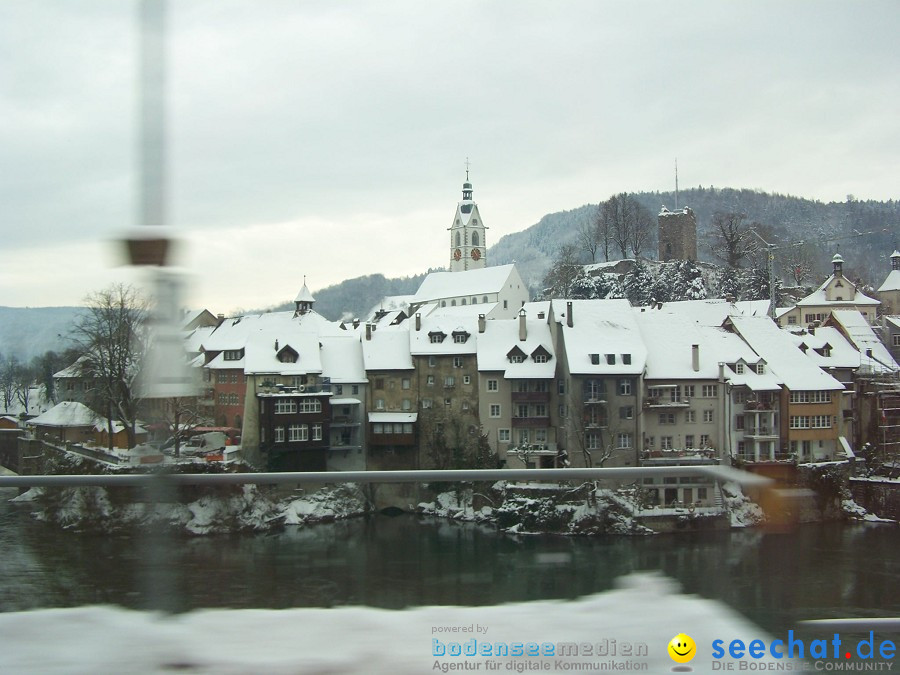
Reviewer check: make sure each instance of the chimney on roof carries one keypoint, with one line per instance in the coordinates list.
(570, 320)
(276, 344)
(729, 298)
(368, 331)
(695, 358)
(220, 319)
(523, 329)
(356, 322)
(418, 320)
(482, 323)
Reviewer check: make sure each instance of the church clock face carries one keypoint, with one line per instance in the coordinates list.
(476, 254)
(457, 254)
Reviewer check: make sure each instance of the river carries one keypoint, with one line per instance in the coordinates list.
(817, 571)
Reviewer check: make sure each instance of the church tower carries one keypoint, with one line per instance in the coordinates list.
(467, 243)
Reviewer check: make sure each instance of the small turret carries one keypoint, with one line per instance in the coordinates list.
(838, 263)
(304, 301)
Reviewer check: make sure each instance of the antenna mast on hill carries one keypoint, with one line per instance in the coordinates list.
(676, 183)
(467, 169)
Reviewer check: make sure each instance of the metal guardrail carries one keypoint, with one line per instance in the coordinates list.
(721, 473)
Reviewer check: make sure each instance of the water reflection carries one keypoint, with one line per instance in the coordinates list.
(774, 579)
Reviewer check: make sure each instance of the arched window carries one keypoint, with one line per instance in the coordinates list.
(474, 301)
(443, 303)
(453, 303)
(457, 238)
(475, 239)
(463, 301)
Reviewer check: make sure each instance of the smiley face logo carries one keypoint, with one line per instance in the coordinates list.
(682, 648)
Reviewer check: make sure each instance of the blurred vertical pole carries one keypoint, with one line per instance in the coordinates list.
(157, 572)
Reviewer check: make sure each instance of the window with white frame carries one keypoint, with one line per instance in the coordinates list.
(667, 418)
(739, 368)
(285, 406)
(404, 383)
(503, 435)
(690, 416)
(689, 391)
(467, 379)
(704, 440)
(449, 382)
(540, 358)
(298, 432)
(593, 440)
(279, 434)
(495, 410)
(429, 380)
(379, 404)
(623, 440)
(492, 385)
(317, 432)
(707, 416)
(457, 362)
(665, 443)
(625, 387)
(406, 404)
(710, 390)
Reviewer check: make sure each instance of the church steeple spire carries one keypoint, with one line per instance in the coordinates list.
(467, 234)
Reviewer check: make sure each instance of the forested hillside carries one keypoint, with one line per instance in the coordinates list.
(828, 228)
(26, 332)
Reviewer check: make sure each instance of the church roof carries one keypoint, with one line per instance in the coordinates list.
(439, 285)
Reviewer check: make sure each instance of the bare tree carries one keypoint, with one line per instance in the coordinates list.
(732, 240)
(23, 378)
(626, 223)
(8, 369)
(181, 417)
(112, 336)
(563, 271)
(589, 239)
(797, 262)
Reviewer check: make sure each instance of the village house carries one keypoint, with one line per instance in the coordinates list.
(445, 381)
(518, 391)
(602, 360)
(836, 292)
(889, 291)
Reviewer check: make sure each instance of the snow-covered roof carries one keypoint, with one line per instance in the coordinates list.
(73, 370)
(102, 425)
(270, 351)
(439, 285)
(713, 312)
(892, 283)
(233, 333)
(197, 337)
(420, 341)
(670, 341)
(304, 295)
(893, 320)
(500, 337)
(390, 303)
(860, 333)
(471, 311)
(388, 349)
(818, 298)
(782, 355)
(601, 327)
(66, 414)
(342, 359)
(825, 339)
(345, 401)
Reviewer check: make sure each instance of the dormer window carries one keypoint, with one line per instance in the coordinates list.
(611, 359)
(515, 355)
(626, 359)
(760, 368)
(739, 368)
(460, 336)
(233, 354)
(540, 355)
(595, 359)
(436, 337)
(288, 355)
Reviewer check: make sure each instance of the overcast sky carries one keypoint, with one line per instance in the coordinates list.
(329, 138)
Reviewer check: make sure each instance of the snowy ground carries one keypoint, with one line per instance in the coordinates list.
(644, 610)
